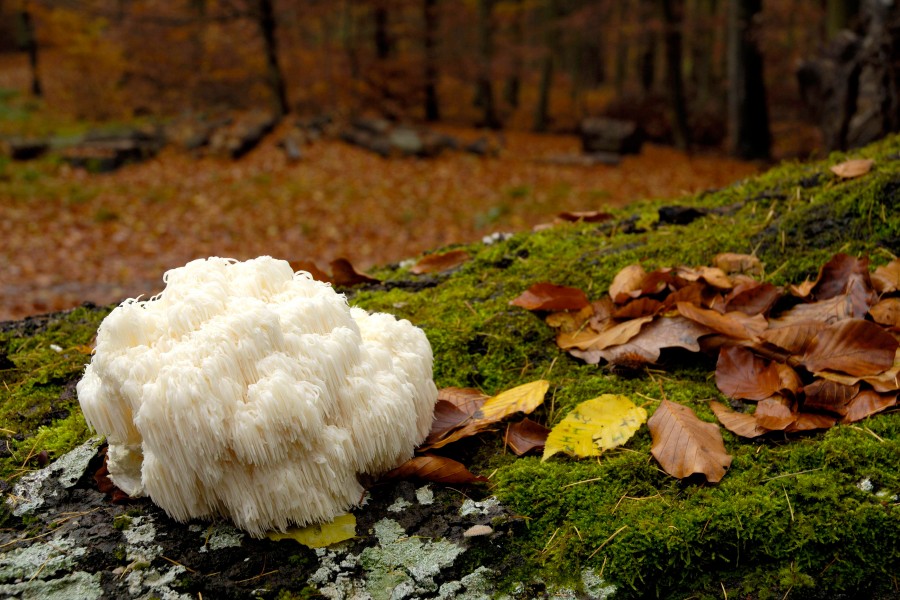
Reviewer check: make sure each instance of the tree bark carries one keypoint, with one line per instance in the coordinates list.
(672, 18)
(484, 88)
(513, 82)
(31, 46)
(839, 14)
(430, 20)
(748, 117)
(551, 49)
(275, 76)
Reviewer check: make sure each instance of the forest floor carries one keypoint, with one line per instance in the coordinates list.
(69, 236)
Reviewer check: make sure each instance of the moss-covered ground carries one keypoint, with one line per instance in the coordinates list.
(816, 515)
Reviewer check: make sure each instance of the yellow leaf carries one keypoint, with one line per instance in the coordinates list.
(343, 527)
(524, 398)
(594, 426)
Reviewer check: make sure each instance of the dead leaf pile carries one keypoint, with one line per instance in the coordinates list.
(808, 356)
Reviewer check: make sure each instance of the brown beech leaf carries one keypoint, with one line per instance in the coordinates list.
(855, 346)
(662, 332)
(774, 413)
(684, 445)
(887, 312)
(794, 338)
(343, 274)
(716, 277)
(549, 296)
(802, 290)
(468, 400)
(733, 263)
(311, 268)
(868, 403)
(693, 293)
(592, 340)
(526, 435)
(738, 423)
(752, 299)
(808, 421)
(627, 283)
(844, 274)
(587, 216)
(436, 263)
(856, 167)
(886, 278)
(435, 469)
(742, 374)
(823, 394)
(524, 398)
(734, 324)
(828, 311)
(641, 307)
(568, 321)
(446, 418)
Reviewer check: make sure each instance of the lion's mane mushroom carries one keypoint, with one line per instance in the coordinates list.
(250, 391)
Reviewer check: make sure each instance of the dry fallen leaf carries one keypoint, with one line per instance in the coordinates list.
(734, 324)
(868, 403)
(436, 469)
(733, 263)
(886, 278)
(439, 262)
(526, 435)
(320, 535)
(524, 398)
(589, 216)
(684, 445)
(752, 299)
(775, 413)
(856, 167)
(595, 426)
(627, 283)
(742, 374)
(591, 340)
(887, 312)
(823, 394)
(855, 346)
(663, 332)
(343, 274)
(742, 424)
(548, 296)
(311, 268)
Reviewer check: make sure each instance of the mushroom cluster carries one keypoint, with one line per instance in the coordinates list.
(249, 391)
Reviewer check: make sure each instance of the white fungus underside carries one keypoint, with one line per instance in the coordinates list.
(248, 391)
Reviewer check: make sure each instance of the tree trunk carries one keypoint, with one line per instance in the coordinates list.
(31, 46)
(513, 83)
(839, 14)
(672, 18)
(647, 53)
(620, 68)
(384, 45)
(703, 48)
(430, 20)
(275, 75)
(748, 118)
(551, 49)
(484, 88)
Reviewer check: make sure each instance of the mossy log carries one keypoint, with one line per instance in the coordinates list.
(809, 516)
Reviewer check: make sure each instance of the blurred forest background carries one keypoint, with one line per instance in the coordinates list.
(376, 129)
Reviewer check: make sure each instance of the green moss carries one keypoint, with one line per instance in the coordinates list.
(791, 514)
(815, 515)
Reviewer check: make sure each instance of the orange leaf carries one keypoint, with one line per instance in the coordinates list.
(854, 346)
(887, 312)
(849, 169)
(809, 421)
(663, 332)
(436, 469)
(592, 340)
(741, 374)
(640, 307)
(526, 435)
(886, 278)
(343, 274)
(741, 424)
(436, 263)
(738, 263)
(733, 324)
(832, 396)
(774, 413)
(684, 445)
(548, 296)
(752, 299)
(794, 338)
(868, 403)
(627, 283)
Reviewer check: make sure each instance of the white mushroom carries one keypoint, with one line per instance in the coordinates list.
(250, 391)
